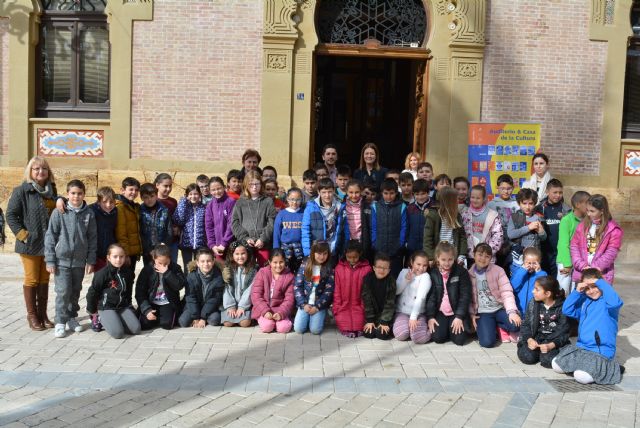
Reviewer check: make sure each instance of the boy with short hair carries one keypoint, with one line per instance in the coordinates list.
(309, 181)
(321, 171)
(70, 251)
(321, 221)
(567, 228)
(343, 175)
(416, 212)
(370, 193)
(106, 220)
(552, 209)
(425, 171)
(378, 294)
(523, 277)
(506, 206)
(128, 226)
(395, 175)
(203, 183)
(234, 184)
(390, 215)
(155, 221)
(525, 228)
(406, 187)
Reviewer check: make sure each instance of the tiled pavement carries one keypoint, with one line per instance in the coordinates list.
(241, 377)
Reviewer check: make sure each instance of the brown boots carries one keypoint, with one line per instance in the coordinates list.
(36, 299)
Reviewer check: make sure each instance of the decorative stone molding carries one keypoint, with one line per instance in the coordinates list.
(603, 12)
(442, 67)
(278, 17)
(276, 60)
(466, 21)
(303, 62)
(442, 6)
(466, 68)
(308, 5)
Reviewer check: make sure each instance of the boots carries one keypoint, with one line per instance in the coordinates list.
(30, 301)
(43, 298)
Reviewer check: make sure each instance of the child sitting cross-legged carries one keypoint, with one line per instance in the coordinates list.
(204, 292)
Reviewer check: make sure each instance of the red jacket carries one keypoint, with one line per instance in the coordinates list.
(281, 302)
(605, 255)
(348, 308)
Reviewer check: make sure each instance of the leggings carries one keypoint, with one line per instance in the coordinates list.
(117, 322)
(401, 329)
(267, 326)
(443, 332)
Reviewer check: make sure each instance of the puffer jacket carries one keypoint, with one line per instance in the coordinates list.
(314, 228)
(111, 289)
(348, 308)
(28, 219)
(324, 290)
(71, 239)
(432, 226)
(416, 217)
(280, 301)
(531, 324)
(202, 300)
(191, 219)
(147, 285)
(128, 227)
(491, 233)
(106, 228)
(605, 255)
(391, 227)
(458, 289)
(499, 286)
(155, 226)
(253, 219)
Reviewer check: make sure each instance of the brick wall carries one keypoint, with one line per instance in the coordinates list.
(197, 80)
(540, 66)
(4, 86)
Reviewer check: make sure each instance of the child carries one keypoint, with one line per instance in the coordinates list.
(347, 302)
(106, 221)
(234, 184)
(70, 246)
(217, 218)
(203, 295)
(481, 224)
(269, 173)
(271, 191)
(448, 302)
(445, 224)
(109, 297)
(378, 296)
(391, 225)
(321, 220)
(313, 290)
(287, 230)
(592, 359)
(462, 186)
(540, 176)
(552, 209)
(164, 184)
(568, 226)
(158, 290)
(356, 219)
(413, 285)
(128, 226)
(253, 217)
(425, 171)
(190, 217)
(321, 171)
(272, 295)
(596, 241)
(309, 191)
(416, 213)
(393, 174)
(492, 301)
(238, 276)
(411, 163)
(369, 193)
(506, 206)
(203, 184)
(406, 187)
(523, 277)
(155, 222)
(525, 227)
(544, 329)
(343, 175)
(440, 182)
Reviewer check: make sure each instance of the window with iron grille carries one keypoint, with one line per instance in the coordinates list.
(631, 116)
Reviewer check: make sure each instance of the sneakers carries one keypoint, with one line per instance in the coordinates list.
(504, 335)
(96, 325)
(59, 331)
(73, 324)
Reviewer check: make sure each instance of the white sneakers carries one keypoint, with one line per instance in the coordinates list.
(74, 325)
(59, 331)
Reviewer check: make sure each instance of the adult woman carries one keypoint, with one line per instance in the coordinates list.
(411, 164)
(540, 177)
(250, 161)
(370, 171)
(28, 214)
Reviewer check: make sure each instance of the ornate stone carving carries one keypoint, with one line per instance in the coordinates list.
(598, 11)
(278, 61)
(442, 6)
(467, 19)
(308, 5)
(278, 17)
(466, 68)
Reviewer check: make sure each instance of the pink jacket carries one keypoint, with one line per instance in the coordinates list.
(492, 231)
(281, 302)
(605, 255)
(500, 288)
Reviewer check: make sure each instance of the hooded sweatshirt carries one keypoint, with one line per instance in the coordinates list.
(71, 239)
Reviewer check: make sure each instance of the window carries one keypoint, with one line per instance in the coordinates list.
(73, 60)
(631, 116)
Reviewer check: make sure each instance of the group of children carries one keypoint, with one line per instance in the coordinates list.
(429, 260)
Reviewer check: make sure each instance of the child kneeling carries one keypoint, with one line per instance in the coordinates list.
(378, 295)
(238, 276)
(272, 295)
(413, 285)
(204, 292)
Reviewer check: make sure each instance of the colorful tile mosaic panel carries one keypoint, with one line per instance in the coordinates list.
(632, 163)
(70, 143)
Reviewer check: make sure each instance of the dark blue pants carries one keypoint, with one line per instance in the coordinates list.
(487, 327)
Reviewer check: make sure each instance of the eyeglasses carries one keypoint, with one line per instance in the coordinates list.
(40, 168)
(294, 200)
(255, 184)
(381, 268)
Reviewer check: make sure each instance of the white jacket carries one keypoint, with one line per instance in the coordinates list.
(413, 294)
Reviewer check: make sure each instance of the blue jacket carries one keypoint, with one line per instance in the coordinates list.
(155, 226)
(191, 220)
(324, 290)
(106, 227)
(598, 319)
(287, 227)
(415, 225)
(391, 227)
(368, 230)
(522, 282)
(314, 228)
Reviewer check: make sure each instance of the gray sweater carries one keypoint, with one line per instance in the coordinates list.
(71, 239)
(253, 219)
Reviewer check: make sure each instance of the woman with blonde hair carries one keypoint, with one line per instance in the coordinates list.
(370, 171)
(28, 211)
(411, 163)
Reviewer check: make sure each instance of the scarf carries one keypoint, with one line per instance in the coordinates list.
(478, 211)
(45, 192)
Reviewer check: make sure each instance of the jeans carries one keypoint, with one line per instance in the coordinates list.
(314, 323)
(487, 324)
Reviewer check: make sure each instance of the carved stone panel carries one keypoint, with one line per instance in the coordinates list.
(277, 60)
(466, 21)
(466, 68)
(278, 17)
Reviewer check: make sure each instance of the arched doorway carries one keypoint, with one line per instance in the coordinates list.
(370, 80)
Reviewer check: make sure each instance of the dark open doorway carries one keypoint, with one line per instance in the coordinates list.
(363, 99)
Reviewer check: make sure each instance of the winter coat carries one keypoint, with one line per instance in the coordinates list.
(412, 295)
(71, 239)
(201, 301)
(368, 229)
(432, 226)
(598, 319)
(531, 324)
(391, 227)
(191, 219)
(28, 219)
(499, 286)
(605, 255)
(375, 178)
(281, 301)
(491, 233)
(348, 307)
(253, 219)
(147, 285)
(532, 182)
(128, 227)
(458, 289)
(373, 313)
(522, 282)
(237, 295)
(324, 290)
(287, 228)
(568, 226)
(155, 226)
(416, 219)
(314, 228)
(111, 289)
(217, 219)
(106, 228)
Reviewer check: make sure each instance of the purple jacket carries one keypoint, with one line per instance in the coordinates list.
(217, 221)
(605, 255)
